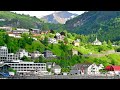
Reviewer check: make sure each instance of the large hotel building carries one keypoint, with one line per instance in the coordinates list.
(13, 61)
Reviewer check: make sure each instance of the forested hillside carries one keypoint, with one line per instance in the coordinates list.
(18, 20)
(105, 24)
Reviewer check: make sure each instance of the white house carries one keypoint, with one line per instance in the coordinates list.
(94, 69)
(59, 36)
(89, 69)
(76, 42)
(14, 35)
(49, 65)
(36, 54)
(97, 42)
(56, 69)
(52, 40)
(22, 53)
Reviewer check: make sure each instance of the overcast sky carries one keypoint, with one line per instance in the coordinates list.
(43, 13)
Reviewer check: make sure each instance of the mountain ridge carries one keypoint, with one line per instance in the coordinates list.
(59, 17)
(101, 23)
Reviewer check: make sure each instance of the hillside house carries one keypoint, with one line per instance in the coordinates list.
(6, 28)
(96, 42)
(36, 54)
(20, 31)
(58, 36)
(74, 52)
(35, 31)
(76, 43)
(14, 35)
(44, 32)
(22, 53)
(48, 54)
(52, 40)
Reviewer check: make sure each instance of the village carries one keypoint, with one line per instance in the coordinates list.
(12, 65)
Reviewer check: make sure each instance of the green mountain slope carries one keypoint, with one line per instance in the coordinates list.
(106, 24)
(18, 20)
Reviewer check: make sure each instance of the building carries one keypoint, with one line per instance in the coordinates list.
(14, 35)
(56, 69)
(79, 69)
(21, 66)
(36, 54)
(4, 67)
(8, 29)
(49, 65)
(74, 52)
(1, 19)
(52, 40)
(5, 56)
(35, 31)
(58, 36)
(96, 42)
(22, 53)
(75, 72)
(114, 69)
(94, 69)
(20, 31)
(76, 43)
(48, 54)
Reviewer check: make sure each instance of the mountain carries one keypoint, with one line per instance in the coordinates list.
(105, 24)
(8, 18)
(59, 17)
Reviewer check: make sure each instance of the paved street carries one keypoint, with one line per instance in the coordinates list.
(65, 77)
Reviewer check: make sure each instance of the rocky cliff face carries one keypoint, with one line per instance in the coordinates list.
(59, 17)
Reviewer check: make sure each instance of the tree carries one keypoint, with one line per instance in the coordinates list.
(65, 40)
(45, 41)
(7, 39)
(52, 31)
(69, 35)
(41, 59)
(104, 43)
(45, 27)
(109, 44)
(24, 58)
(12, 70)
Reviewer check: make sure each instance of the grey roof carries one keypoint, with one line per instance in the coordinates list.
(80, 66)
(56, 67)
(47, 51)
(74, 71)
(49, 63)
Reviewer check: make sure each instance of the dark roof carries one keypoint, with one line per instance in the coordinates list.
(1, 65)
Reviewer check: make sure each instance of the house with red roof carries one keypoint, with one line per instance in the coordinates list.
(115, 69)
